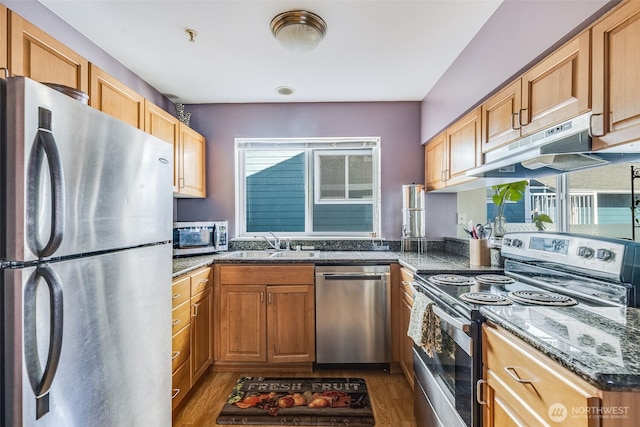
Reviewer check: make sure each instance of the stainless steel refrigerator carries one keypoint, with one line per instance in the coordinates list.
(86, 223)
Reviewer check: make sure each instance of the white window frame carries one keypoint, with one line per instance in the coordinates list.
(312, 144)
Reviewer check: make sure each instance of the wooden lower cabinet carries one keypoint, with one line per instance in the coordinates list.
(266, 314)
(523, 387)
(403, 306)
(192, 316)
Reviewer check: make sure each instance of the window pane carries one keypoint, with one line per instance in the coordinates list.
(332, 177)
(360, 177)
(275, 193)
(342, 217)
(600, 200)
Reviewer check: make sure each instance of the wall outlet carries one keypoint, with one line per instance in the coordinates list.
(461, 218)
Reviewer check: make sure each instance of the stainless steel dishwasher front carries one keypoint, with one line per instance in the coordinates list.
(353, 314)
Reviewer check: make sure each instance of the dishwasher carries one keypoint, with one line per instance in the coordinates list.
(353, 314)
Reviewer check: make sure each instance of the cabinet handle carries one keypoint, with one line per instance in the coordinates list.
(270, 298)
(520, 117)
(175, 322)
(511, 370)
(479, 392)
(175, 296)
(513, 122)
(261, 296)
(203, 281)
(175, 354)
(590, 130)
(404, 282)
(194, 310)
(176, 391)
(181, 183)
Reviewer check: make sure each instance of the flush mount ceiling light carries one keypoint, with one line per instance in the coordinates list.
(298, 30)
(285, 90)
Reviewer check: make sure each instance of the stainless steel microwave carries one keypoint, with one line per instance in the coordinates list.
(203, 237)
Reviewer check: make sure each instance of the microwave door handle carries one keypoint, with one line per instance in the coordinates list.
(41, 380)
(453, 321)
(45, 145)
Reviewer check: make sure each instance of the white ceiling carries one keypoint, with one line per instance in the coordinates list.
(393, 50)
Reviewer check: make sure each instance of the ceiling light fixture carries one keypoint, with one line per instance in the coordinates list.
(192, 34)
(298, 30)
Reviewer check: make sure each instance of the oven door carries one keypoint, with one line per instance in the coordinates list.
(444, 395)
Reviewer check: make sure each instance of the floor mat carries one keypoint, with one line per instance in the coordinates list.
(298, 402)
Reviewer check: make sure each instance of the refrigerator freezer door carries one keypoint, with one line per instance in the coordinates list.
(113, 363)
(84, 181)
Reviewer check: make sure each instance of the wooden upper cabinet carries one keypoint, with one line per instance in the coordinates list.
(115, 99)
(434, 162)
(463, 147)
(500, 117)
(616, 77)
(191, 161)
(158, 122)
(35, 54)
(557, 88)
(554, 90)
(4, 38)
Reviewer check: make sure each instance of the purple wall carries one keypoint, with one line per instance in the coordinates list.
(396, 123)
(518, 34)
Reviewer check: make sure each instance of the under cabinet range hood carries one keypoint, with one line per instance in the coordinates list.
(562, 148)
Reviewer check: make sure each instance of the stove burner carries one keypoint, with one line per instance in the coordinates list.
(485, 298)
(451, 279)
(494, 279)
(541, 298)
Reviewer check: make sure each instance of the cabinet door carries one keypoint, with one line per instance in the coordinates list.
(616, 77)
(557, 88)
(201, 333)
(290, 324)
(435, 157)
(192, 181)
(4, 38)
(406, 361)
(500, 113)
(35, 54)
(115, 99)
(243, 327)
(463, 147)
(158, 122)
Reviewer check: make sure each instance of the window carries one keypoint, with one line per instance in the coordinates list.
(308, 187)
(598, 202)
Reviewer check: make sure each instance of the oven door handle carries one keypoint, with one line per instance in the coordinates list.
(456, 322)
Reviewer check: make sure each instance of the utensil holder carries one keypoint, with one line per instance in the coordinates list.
(479, 252)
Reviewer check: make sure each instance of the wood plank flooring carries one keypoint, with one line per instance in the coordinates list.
(391, 397)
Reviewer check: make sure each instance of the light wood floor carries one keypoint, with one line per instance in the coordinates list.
(391, 397)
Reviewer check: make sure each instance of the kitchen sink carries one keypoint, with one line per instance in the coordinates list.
(250, 254)
(272, 254)
(295, 254)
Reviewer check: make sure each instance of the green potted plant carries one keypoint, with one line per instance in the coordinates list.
(503, 193)
(539, 219)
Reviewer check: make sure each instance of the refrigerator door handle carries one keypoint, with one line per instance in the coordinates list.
(45, 144)
(41, 380)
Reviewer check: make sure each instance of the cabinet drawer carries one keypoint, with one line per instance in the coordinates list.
(200, 281)
(537, 380)
(267, 275)
(180, 347)
(180, 291)
(180, 383)
(180, 317)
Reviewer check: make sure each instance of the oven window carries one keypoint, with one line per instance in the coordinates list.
(452, 369)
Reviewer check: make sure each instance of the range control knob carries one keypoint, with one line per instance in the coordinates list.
(517, 243)
(506, 241)
(585, 252)
(604, 254)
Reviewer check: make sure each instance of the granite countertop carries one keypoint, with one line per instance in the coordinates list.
(600, 345)
(431, 261)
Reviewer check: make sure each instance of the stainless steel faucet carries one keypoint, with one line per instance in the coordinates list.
(276, 243)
